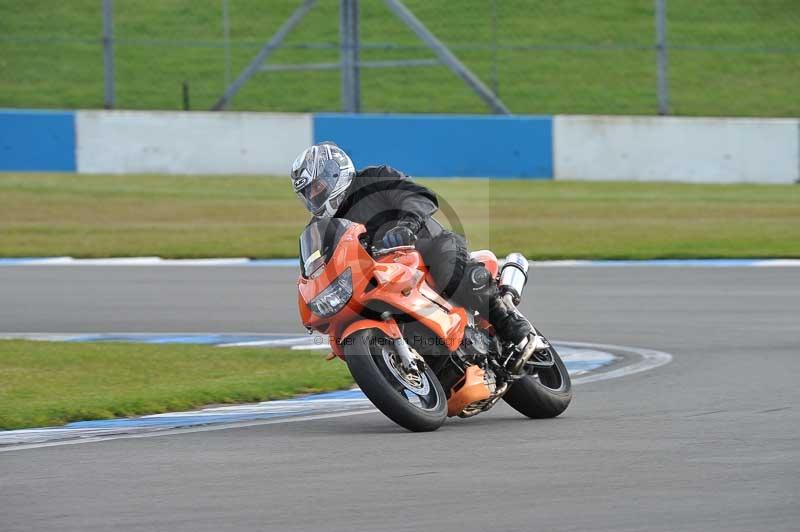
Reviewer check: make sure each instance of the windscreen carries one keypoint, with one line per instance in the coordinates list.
(318, 242)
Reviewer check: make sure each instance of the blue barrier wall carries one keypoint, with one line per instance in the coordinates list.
(445, 146)
(37, 140)
(708, 150)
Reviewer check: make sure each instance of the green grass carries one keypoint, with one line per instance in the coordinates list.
(591, 57)
(168, 216)
(48, 383)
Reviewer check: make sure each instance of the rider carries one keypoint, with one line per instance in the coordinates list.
(397, 211)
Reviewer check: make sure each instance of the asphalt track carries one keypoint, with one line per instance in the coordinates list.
(708, 442)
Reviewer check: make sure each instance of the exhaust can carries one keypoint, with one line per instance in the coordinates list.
(514, 276)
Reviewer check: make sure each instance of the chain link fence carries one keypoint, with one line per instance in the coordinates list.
(717, 57)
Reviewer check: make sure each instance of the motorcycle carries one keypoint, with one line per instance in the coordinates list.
(418, 357)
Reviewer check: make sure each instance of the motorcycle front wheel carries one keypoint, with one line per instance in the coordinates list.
(544, 393)
(414, 400)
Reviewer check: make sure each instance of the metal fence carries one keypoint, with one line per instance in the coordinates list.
(686, 57)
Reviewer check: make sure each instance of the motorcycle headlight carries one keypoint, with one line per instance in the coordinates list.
(334, 297)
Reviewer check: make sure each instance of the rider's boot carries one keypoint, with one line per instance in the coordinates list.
(512, 327)
(509, 325)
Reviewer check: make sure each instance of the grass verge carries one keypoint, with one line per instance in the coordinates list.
(47, 383)
(732, 57)
(185, 217)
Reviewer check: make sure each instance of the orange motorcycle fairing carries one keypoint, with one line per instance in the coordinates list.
(395, 281)
(402, 286)
(389, 328)
(348, 254)
(470, 389)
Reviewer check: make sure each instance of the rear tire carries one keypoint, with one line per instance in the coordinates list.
(385, 388)
(543, 395)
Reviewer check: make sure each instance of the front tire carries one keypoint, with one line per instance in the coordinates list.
(543, 394)
(418, 404)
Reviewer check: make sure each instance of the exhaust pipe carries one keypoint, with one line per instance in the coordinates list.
(514, 276)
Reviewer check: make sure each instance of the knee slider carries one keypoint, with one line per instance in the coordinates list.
(478, 276)
(477, 289)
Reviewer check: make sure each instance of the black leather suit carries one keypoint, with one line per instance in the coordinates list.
(381, 197)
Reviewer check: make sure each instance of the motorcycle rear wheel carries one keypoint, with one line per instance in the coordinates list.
(417, 403)
(545, 393)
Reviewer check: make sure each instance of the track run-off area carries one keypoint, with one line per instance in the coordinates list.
(706, 442)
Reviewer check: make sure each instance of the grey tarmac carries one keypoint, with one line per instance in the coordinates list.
(708, 442)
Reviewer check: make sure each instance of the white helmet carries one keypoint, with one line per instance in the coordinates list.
(321, 176)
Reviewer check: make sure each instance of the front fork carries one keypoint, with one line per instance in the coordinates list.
(407, 358)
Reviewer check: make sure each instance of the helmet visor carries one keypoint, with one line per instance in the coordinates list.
(320, 175)
(317, 191)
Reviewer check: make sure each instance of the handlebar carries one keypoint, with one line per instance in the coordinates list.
(379, 252)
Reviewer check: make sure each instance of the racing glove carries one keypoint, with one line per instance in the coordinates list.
(402, 235)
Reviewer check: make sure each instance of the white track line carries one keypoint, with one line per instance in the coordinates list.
(650, 359)
(186, 430)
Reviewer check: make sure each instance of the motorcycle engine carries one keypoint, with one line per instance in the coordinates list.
(477, 343)
(490, 380)
(476, 349)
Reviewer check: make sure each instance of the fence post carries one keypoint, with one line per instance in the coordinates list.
(661, 53)
(348, 35)
(495, 79)
(226, 35)
(108, 54)
(187, 106)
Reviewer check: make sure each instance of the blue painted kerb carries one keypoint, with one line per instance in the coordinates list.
(445, 145)
(37, 141)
